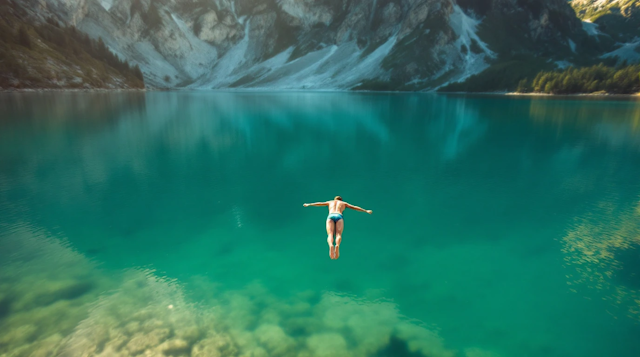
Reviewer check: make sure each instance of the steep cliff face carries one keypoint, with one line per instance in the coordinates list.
(323, 44)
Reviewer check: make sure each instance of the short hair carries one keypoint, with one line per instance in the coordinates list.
(338, 198)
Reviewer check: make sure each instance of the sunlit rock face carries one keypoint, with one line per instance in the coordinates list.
(324, 44)
(222, 33)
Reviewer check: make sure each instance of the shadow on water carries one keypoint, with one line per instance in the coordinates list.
(397, 347)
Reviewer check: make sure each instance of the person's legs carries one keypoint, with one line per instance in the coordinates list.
(339, 229)
(330, 229)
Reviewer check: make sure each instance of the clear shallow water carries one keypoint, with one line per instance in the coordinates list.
(171, 223)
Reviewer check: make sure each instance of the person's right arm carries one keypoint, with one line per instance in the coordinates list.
(359, 208)
(316, 204)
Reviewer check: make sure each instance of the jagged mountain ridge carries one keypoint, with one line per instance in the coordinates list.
(321, 44)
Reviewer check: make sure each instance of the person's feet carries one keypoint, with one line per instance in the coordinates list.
(331, 252)
(337, 254)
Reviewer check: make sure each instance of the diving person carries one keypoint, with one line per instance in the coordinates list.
(335, 222)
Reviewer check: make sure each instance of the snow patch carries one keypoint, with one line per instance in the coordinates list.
(106, 4)
(563, 64)
(629, 51)
(590, 28)
(466, 28)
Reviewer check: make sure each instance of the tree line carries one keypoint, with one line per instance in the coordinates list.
(623, 79)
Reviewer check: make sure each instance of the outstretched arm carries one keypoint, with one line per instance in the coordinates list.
(316, 204)
(359, 208)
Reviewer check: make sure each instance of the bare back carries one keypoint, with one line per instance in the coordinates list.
(337, 206)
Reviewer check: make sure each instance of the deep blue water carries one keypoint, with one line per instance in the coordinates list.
(132, 223)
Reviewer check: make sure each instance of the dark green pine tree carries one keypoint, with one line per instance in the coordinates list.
(523, 86)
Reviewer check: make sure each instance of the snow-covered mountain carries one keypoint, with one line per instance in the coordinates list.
(319, 44)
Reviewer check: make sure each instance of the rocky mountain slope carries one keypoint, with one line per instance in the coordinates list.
(48, 55)
(325, 44)
(613, 20)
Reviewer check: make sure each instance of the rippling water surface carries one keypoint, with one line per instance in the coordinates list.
(171, 224)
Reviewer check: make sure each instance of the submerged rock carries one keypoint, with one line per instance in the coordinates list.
(142, 341)
(189, 334)
(18, 335)
(328, 345)
(132, 327)
(274, 339)
(214, 346)
(175, 347)
(116, 341)
(47, 347)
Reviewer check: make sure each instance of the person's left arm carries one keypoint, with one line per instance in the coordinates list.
(359, 208)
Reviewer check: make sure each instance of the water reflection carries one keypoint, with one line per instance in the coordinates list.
(456, 128)
(164, 143)
(615, 122)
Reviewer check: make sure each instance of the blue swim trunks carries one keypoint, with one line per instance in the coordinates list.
(335, 217)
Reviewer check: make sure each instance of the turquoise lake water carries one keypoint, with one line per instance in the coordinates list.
(171, 224)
